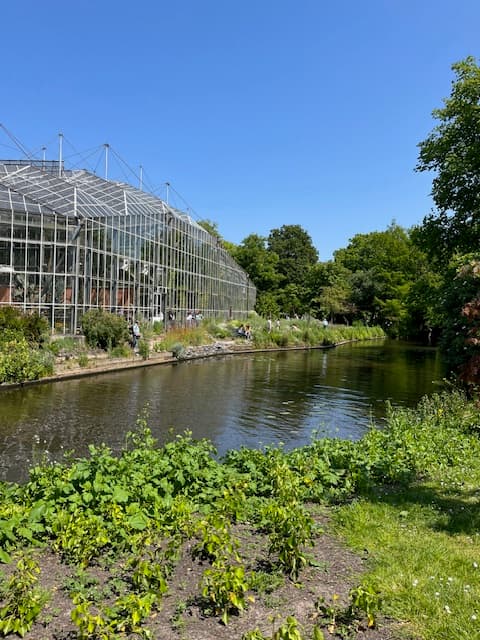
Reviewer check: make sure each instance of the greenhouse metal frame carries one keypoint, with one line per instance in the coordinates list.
(71, 241)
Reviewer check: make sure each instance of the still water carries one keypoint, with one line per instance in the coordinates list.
(249, 400)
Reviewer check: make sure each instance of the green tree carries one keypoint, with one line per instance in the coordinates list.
(383, 267)
(267, 304)
(330, 291)
(460, 317)
(211, 227)
(260, 264)
(292, 299)
(452, 151)
(295, 251)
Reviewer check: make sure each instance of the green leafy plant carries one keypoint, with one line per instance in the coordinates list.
(225, 586)
(124, 617)
(289, 630)
(120, 351)
(83, 360)
(84, 584)
(19, 361)
(144, 349)
(24, 600)
(104, 330)
(344, 621)
(215, 539)
(290, 528)
(149, 576)
(79, 536)
(366, 600)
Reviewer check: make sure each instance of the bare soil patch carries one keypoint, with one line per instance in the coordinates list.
(183, 614)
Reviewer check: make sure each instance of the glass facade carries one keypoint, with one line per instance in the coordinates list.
(71, 241)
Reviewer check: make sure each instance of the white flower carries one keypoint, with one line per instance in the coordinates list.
(447, 609)
(474, 617)
(449, 579)
(437, 594)
(475, 565)
(414, 583)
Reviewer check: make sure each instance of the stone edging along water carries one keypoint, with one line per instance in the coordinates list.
(220, 348)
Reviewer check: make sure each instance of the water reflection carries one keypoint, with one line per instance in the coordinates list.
(232, 400)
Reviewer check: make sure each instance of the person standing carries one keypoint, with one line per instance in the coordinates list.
(135, 335)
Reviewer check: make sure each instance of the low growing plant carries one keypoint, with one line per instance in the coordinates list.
(23, 599)
(225, 586)
(290, 528)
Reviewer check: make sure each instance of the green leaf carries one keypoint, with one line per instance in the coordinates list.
(138, 521)
(318, 634)
(5, 557)
(120, 495)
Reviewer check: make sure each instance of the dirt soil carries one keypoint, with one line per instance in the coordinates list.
(183, 616)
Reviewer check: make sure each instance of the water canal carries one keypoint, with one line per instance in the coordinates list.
(236, 400)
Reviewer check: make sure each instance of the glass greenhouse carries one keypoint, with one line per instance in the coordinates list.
(71, 241)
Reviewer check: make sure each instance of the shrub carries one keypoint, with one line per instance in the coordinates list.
(32, 326)
(144, 349)
(104, 330)
(35, 328)
(121, 351)
(83, 360)
(177, 349)
(280, 339)
(19, 362)
(157, 328)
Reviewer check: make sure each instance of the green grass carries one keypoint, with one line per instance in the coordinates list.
(423, 545)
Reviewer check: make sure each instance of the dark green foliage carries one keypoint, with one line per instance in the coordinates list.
(260, 263)
(295, 250)
(383, 266)
(450, 235)
(31, 326)
(452, 151)
(104, 330)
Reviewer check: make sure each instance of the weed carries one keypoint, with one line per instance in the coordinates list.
(345, 621)
(177, 621)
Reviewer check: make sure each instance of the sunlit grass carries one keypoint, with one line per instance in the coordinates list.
(423, 546)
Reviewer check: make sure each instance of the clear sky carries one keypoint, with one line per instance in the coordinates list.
(258, 113)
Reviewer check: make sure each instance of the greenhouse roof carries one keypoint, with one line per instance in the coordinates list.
(36, 186)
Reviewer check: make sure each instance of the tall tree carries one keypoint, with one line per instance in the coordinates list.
(211, 227)
(330, 291)
(383, 267)
(295, 251)
(452, 151)
(260, 264)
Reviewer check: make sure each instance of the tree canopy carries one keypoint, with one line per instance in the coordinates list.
(383, 266)
(295, 251)
(452, 152)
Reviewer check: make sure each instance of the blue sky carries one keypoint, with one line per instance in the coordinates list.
(258, 113)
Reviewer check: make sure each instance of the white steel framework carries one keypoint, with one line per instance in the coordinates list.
(71, 241)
